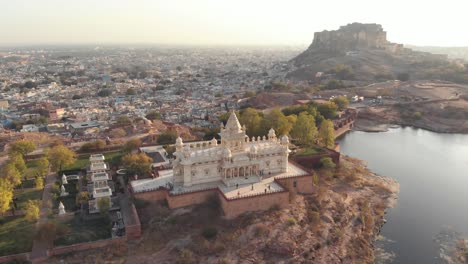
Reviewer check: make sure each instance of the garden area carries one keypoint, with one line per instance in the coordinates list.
(23, 195)
(82, 161)
(16, 235)
(80, 230)
(310, 150)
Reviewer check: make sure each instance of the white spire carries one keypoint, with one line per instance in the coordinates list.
(233, 124)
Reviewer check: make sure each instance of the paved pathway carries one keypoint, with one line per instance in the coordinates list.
(40, 246)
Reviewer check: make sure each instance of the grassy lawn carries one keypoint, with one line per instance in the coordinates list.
(68, 201)
(25, 195)
(85, 231)
(310, 150)
(16, 235)
(81, 162)
(114, 157)
(31, 169)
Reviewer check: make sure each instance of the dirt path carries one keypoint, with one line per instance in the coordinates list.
(40, 246)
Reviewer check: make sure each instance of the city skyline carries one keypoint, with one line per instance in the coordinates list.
(209, 22)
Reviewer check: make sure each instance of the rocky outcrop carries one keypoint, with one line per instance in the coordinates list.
(351, 37)
(364, 48)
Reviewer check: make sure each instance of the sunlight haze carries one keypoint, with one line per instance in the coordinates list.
(241, 22)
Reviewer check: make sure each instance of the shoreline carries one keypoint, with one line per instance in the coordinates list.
(366, 125)
(339, 223)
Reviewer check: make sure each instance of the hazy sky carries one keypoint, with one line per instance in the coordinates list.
(257, 22)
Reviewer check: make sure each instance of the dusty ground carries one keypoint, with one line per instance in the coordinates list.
(337, 224)
(433, 105)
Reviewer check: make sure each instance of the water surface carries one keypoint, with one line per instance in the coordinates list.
(432, 170)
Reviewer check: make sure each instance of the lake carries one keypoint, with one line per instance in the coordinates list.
(432, 170)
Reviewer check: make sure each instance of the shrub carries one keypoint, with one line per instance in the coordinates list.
(327, 162)
(275, 207)
(39, 182)
(417, 115)
(260, 229)
(209, 232)
(32, 210)
(291, 221)
(186, 256)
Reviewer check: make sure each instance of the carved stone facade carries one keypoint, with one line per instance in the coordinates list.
(236, 156)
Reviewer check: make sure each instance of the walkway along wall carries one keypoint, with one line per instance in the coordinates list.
(16, 257)
(121, 241)
(235, 206)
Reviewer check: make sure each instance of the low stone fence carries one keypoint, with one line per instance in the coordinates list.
(16, 257)
(235, 207)
(86, 246)
(313, 161)
(189, 198)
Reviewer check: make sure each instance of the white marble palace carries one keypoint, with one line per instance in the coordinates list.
(236, 157)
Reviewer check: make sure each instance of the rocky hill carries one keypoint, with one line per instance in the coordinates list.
(365, 48)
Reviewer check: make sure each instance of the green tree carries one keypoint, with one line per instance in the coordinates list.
(167, 137)
(334, 84)
(304, 130)
(104, 205)
(60, 157)
(39, 182)
(327, 162)
(94, 145)
(11, 174)
(224, 117)
(341, 101)
(104, 93)
(153, 115)
(343, 72)
(82, 198)
(6, 194)
(130, 91)
(328, 110)
(278, 121)
(32, 210)
(17, 160)
(118, 133)
(42, 168)
(22, 147)
(139, 164)
(327, 134)
(132, 144)
(124, 120)
(252, 120)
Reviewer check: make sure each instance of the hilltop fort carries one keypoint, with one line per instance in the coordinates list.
(364, 48)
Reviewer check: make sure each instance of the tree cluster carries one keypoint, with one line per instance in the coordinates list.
(300, 122)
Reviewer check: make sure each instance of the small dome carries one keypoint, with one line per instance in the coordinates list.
(179, 141)
(214, 141)
(285, 139)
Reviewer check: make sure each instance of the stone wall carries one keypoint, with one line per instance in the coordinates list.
(235, 207)
(156, 195)
(16, 257)
(300, 184)
(187, 199)
(86, 246)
